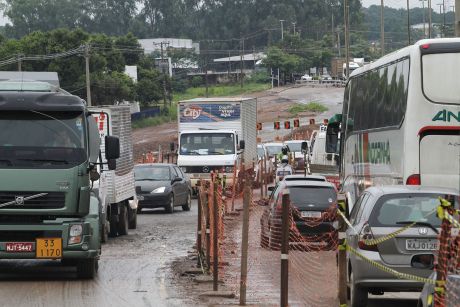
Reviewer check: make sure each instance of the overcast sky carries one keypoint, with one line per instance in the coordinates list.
(403, 4)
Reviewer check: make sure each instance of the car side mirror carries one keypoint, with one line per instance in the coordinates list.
(112, 164)
(112, 147)
(176, 179)
(172, 146)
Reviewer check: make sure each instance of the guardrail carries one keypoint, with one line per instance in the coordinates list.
(325, 83)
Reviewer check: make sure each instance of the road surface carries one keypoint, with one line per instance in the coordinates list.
(133, 270)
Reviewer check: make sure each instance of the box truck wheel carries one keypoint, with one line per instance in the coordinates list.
(105, 231)
(87, 268)
(132, 218)
(113, 221)
(123, 220)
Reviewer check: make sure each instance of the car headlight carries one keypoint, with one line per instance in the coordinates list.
(75, 233)
(158, 190)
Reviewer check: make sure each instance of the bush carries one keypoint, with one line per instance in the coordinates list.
(196, 81)
(309, 107)
(260, 77)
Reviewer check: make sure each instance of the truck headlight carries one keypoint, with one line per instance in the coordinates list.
(229, 169)
(158, 190)
(183, 168)
(75, 233)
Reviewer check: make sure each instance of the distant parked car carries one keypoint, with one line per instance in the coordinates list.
(380, 211)
(326, 77)
(306, 77)
(162, 186)
(311, 197)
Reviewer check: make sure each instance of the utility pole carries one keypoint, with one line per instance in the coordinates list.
(382, 30)
(444, 17)
(282, 30)
(242, 62)
(88, 81)
(408, 22)
(338, 42)
(423, 16)
(440, 13)
(457, 18)
(293, 24)
(347, 40)
(19, 62)
(430, 9)
(164, 74)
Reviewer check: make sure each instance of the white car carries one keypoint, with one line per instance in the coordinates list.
(306, 77)
(283, 170)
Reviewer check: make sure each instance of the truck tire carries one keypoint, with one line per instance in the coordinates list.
(188, 203)
(133, 219)
(87, 268)
(123, 221)
(105, 232)
(113, 225)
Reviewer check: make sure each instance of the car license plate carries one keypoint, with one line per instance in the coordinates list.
(48, 248)
(311, 214)
(19, 247)
(421, 244)
(140, 197)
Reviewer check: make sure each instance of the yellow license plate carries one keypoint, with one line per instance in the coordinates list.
(48, 248)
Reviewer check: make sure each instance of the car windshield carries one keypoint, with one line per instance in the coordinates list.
(392, 210)
(273, 149)
(304, 198)
(207, 144)
(295, 147)
(160, 173)
(32, 139)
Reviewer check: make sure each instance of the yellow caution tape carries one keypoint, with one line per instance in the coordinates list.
(391, 271)
(429, 301)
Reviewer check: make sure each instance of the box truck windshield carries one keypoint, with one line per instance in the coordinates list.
(207, 144)
(30, 139)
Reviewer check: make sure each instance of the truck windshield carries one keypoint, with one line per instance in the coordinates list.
(207, 144)
(295, 147)
(32, 139)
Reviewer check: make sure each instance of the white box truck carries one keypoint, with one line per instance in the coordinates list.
(116, 189)
(210, 132)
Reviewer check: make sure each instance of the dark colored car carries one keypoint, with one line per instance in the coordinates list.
(314, 202)
(162, 186)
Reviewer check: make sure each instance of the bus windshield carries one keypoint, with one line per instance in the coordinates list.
(30, 139)
(207, 144)
(440, 77)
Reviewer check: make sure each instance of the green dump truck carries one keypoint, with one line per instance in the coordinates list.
(49, 152)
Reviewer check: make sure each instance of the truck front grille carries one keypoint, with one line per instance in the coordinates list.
(49, 200)
(27, 236)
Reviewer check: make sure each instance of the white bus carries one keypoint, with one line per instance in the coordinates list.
(400, 122)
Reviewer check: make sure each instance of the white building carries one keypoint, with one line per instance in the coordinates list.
(154, 44)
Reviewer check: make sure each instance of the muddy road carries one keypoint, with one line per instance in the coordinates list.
(134, 270)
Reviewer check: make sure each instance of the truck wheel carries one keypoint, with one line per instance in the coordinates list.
(87, 268)
(113, 222)
(123, 221)
(188, 205)
(105, 232)
(170, 207)
(133, 220)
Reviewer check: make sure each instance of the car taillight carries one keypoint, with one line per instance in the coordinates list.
(413, 179)
(365, 235)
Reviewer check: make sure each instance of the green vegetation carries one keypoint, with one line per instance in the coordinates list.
(309, 107)
(221, 90)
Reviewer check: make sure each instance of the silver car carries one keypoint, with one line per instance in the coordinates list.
(381, 211)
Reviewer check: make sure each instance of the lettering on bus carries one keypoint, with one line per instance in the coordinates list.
(377, 153)
(447, 116)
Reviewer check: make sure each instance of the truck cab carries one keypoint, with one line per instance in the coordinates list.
(49, 146)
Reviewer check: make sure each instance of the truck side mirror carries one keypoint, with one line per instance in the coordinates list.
(94, 140)
(332, 136)
(242, 144)
(172, 146)
(112, 147)
(112, 164)
(304, 147)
